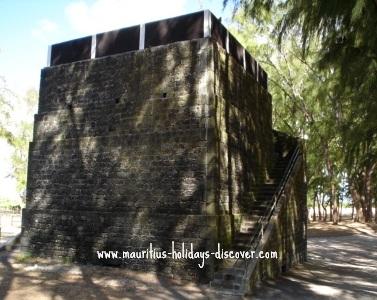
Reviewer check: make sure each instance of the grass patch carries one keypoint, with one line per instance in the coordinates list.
(24, 257)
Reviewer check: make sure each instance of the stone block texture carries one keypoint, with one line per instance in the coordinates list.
(150, 146)
(288, 234)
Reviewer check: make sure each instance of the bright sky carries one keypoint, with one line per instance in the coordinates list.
(27, 27)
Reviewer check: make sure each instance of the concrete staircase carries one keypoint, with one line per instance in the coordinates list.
(232, 277)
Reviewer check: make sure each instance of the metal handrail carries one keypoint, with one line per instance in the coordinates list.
(265, 219)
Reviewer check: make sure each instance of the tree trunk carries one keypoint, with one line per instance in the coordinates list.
(356, 199)
(324, 208)
(319, 209)
(368, 192)
(331, 211)
(335, 203)
(314, 200)
(363, 212)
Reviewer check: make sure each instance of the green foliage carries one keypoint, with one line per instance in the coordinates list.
(321, 60)
(21, 141)
(347, 44)
(20, 154)
(302, 103)
(24, 257)
(16, 117)
(5, 112)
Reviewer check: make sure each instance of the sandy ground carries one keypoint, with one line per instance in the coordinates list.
(342, 264)
(345, 228)
(43, 280)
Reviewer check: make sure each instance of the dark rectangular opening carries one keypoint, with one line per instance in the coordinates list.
(187, 27)
(251, 65)
(117, 41)
(218, 32)
(71, 51)
(235, 49)
(262, 77)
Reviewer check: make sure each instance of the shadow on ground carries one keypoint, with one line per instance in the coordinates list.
(338, 267)
(342, 264)
(41, 279)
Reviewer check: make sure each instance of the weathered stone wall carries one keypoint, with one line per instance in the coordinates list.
(158, 145)
(244, 144)
(119, 157)
(288, 235)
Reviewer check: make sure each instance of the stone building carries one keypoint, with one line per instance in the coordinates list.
(157, 133)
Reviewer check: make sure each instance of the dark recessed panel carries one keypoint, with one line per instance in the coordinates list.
(262, 77)
(117, 41)
(71, 51)
(235, 49)
(251, 65)
(172, 30)
(218, 31)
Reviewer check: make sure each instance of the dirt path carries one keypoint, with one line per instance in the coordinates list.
(42, 281)
(342, 265)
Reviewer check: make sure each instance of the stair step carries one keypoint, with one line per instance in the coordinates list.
(251, 197)
(257, 213)
(261, 205)
(246, 246)
(249, 223)
(247, 229)
(230, 287)
(235, 266)
(241, 246)
(262, 196)
(277, 171)
(244, 243)
(263, 188)
(236, 271)
(254, 193)
(270, 181)
(262, 202)
(223, 275)
(242, 235)
(277, 174)
(256, 190)
(227, 264)
(247, 217)
(273, 184)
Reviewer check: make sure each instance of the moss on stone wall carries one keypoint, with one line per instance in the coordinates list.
(287, 233)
